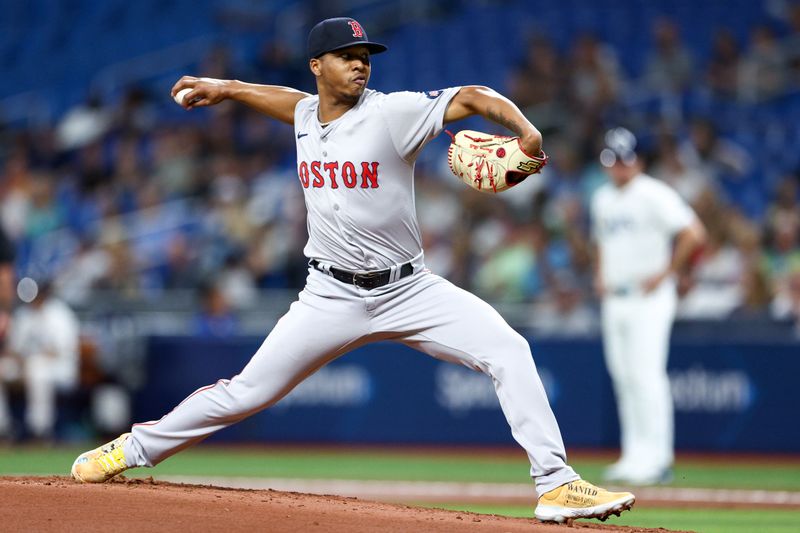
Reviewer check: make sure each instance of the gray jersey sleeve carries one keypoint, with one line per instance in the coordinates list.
(414, 118)
(301, 109)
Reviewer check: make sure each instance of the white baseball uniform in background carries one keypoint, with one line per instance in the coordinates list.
(634, 227)
(46, 341)
(357, 176)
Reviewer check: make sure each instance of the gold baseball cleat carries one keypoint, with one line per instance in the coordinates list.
(101, 464)
(581, 499)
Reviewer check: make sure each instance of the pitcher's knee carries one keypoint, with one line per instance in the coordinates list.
(515, 346)
(247, 398)
(521, 345)
(511, 353)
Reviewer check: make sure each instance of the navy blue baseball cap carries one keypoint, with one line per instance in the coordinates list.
(337, 33)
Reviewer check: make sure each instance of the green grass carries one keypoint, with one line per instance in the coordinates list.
(701, 520)
(398, 465)
(250, 462)
(369, 464)
(735, 474)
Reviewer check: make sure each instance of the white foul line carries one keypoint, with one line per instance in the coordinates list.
(452, 491)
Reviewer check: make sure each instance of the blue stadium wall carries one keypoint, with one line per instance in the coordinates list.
(728, 396)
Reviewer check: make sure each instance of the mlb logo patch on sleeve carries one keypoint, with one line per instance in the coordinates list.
(433, 94)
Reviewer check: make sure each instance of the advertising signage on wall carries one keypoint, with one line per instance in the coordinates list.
(728, 396)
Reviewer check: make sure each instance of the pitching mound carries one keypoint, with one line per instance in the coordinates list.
(48, 504)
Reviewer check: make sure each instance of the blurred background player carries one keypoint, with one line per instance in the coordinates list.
(635, 220)
(6, 283)
(42, 354)
(6, 302)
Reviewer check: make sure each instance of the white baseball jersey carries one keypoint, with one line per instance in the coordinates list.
(357, 177)
(634, 226)
(358, 182)
(47, 339)
(51, 330)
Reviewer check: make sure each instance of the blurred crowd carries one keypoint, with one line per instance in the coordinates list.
(124, 197)
(751, 266)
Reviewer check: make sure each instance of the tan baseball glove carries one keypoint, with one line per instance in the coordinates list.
(491, 163)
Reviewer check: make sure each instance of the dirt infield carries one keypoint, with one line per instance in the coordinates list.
(50, 504)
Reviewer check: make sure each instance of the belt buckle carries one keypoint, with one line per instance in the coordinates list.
(368, 280)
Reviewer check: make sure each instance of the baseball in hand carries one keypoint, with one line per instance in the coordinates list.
(180, 94)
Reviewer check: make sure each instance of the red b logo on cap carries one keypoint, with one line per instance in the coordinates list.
(357, 31)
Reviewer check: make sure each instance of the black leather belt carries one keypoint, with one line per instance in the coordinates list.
(365, 280)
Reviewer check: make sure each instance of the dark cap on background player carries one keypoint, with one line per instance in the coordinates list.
(337, 33)
(619, 145)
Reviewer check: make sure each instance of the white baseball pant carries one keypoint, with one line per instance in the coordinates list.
(329, 319)
(636, 331)
(42, 377)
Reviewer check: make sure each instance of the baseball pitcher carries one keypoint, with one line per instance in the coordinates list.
(367, 280)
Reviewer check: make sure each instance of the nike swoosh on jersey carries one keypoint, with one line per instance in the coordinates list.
(301, 135)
